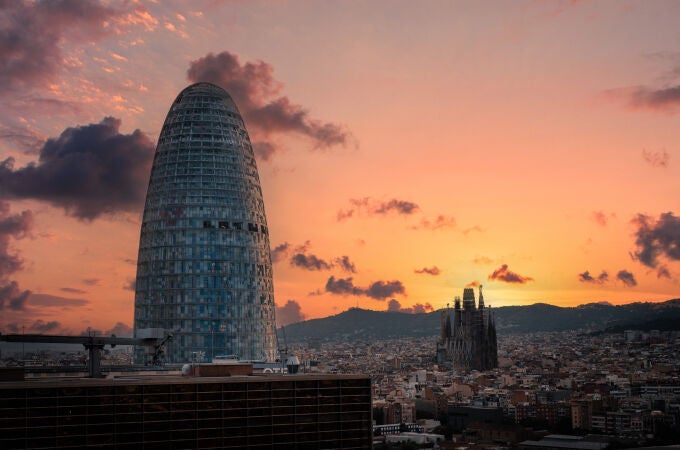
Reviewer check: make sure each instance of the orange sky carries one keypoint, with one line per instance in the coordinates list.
(522, 138)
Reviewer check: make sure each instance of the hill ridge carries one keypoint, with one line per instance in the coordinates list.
(362, 324)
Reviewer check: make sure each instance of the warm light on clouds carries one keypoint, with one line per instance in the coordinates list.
(255, 90)
(659, 158)
(504, 274)
(401, 158)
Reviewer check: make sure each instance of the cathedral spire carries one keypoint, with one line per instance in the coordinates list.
(481, 297)
(468, 340)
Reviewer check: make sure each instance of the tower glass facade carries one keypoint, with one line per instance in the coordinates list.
(204, 267)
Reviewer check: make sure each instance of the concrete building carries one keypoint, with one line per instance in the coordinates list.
(204, 268)
(468, 334)
(133, 412)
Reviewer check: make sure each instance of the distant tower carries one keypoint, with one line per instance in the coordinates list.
(468, 336)
(481, 298)
(204, 268)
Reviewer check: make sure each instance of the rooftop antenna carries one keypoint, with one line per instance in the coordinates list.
(283, 351)
(481, 297)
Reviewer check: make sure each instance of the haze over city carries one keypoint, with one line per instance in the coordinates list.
(405, 150)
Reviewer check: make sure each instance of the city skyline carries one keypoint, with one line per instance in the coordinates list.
(405, 151)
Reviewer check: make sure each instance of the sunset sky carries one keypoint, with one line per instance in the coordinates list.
(405, 149)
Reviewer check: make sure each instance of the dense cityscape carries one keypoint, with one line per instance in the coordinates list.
(611, 390)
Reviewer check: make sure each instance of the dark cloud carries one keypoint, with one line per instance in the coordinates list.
(585, 277)
(345, 214)
(439, 223)
(394, 305)
(304, 247)
(657, 238)
(73, 290)
(120, 330)
(313, 262)
(256, 92)
(21, 138)
(37, 327)
(54, 301)
(626, 278)
(95, 281)
(378, 290)
(11, 297)
(283, 116)
(289, 313)
(345, 264)
(264, 151)
(131, 285)
(419, 308)
(40, 326)
(16, 226)
(309, 262)
(506, 275)
(663, 272)
(372, 207)
(280, 252)
(434, 270)
(89, 171)
(31, 33)
(398, 206)
(659, 99)
(600, 218)
(659, 158)
(343, 286)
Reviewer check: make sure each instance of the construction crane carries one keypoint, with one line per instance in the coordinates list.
(153, 340)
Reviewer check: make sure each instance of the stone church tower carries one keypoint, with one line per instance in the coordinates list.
(468, 334)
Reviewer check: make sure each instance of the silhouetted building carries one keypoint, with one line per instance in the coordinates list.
(204, 268)
(468, 334)
(244, 412)
(460, 417)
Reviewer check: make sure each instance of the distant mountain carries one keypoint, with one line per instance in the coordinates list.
(361, 324)
(591, 316)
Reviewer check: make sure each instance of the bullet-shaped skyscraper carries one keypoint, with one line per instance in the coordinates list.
(204, 267)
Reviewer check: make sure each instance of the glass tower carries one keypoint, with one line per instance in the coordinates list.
(204, 267)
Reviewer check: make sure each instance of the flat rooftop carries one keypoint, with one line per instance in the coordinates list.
(155, 379)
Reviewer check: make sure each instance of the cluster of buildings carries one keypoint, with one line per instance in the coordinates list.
(613, 387)
(561, 382)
